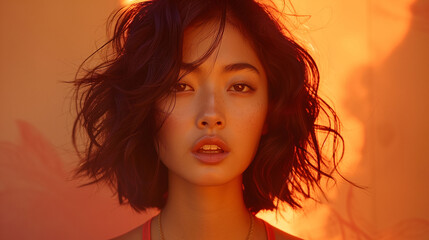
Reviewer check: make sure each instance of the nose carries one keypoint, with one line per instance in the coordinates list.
(210, 122)
(211, 114)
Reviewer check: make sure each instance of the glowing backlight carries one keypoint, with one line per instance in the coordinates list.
(129, 2)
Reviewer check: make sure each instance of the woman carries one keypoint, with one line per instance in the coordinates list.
(205, 110)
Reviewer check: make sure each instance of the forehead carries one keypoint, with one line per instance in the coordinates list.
(233, 47)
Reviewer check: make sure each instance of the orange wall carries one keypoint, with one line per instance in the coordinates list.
(373, 57)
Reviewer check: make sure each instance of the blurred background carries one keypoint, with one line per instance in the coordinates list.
(374, 61)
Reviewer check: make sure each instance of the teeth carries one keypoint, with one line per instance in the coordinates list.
(210, 147)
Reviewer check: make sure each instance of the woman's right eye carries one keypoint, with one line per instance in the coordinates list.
(182, 87)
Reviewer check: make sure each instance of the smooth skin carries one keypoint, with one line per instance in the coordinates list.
(205, 201)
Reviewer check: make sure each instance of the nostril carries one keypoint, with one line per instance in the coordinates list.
(211, 124)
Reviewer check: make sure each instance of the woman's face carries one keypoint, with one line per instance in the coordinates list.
(221, 104)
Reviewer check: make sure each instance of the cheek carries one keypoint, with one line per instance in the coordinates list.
(250, 116)
(248, 124)
(172, 134)
(170, 120)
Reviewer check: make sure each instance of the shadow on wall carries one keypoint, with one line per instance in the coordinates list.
(390, 97)
(39, 200)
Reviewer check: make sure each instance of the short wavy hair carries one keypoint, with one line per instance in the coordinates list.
(116, 104)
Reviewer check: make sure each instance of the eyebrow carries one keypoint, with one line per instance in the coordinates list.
(228, 68)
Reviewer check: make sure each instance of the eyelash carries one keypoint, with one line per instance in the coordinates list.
(251, 89)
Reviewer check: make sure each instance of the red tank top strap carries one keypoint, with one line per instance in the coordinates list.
(146, 230)
(270, 231)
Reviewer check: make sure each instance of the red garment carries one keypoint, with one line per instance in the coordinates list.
(268, 229)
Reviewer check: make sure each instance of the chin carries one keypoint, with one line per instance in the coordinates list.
(211, 179)
(199, 174)
(211, 182)
(207, 179)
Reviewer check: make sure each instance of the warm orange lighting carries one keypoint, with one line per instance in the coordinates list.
(129, 2)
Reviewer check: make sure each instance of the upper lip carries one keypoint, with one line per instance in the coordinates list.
(210, 140)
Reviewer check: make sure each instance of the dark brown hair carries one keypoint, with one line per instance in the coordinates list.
(116, 104)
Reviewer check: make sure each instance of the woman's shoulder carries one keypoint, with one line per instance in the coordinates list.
(281, 235)
(133, 234)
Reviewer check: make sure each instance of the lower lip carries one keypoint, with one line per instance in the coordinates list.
(210, 158)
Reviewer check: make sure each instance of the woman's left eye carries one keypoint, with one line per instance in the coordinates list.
(182, 87)
(241, 87)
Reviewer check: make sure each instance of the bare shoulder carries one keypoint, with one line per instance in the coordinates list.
(134, 234)
(280, 235)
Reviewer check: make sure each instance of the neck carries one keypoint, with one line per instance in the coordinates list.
(205, 212)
